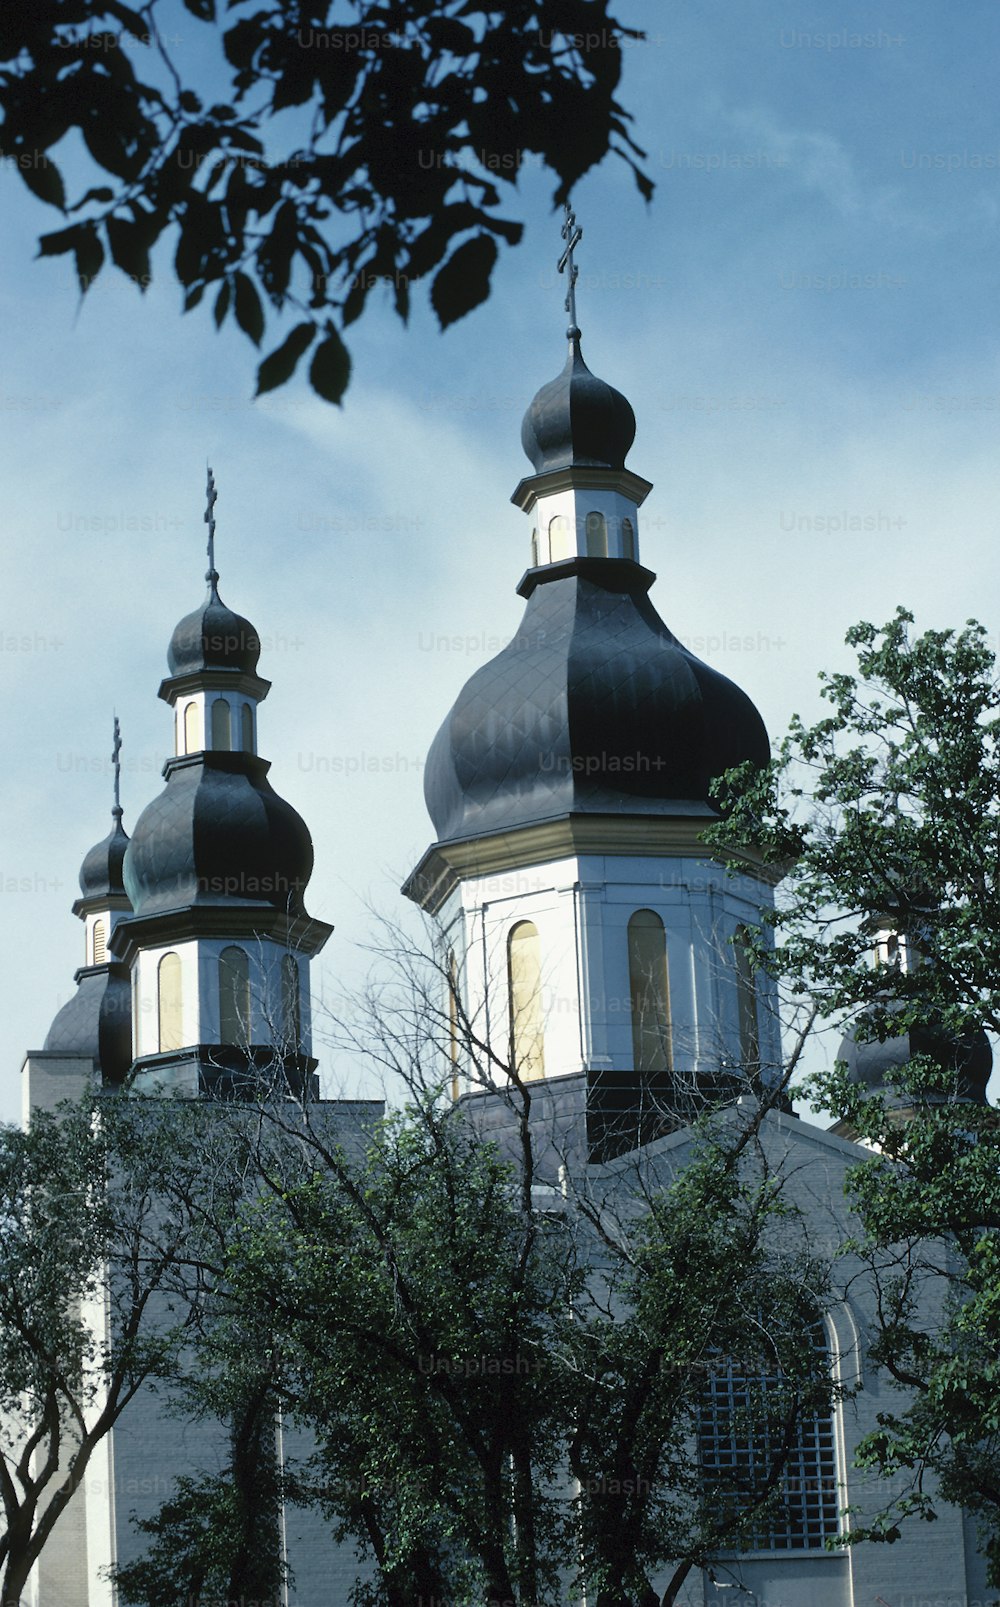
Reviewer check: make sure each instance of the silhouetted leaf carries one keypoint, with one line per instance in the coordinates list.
(464, 281)
(53, 245)
(89, 256)
(330, 368)
(129, 250)
(222, 301)
(274, 255)
(44, 179)
(249, 312)
(280, 365)
(100, 194)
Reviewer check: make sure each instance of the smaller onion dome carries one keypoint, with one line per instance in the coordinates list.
(101, 871)
(218, 834)
(873, 1065)
(213, 638)
(97, 1021)
(577, 420)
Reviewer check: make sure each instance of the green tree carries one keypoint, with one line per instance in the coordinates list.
(501, 1361)
(97, 1285)
(340, 148)
(886, 815)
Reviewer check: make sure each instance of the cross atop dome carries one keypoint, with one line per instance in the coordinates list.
(116, 761)
(213, 496)
(572, 234)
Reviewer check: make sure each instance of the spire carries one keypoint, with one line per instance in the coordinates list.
(213, 575)
(101, 883)
(117, 810)
(572, 234)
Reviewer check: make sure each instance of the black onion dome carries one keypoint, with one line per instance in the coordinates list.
(213, 638)
(873, 1065)
(594, 706)
(101, 871)
(218, 834)
(97, 1021)
(577, 420)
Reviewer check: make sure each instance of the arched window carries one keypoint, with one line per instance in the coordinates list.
(649, 987)
(191, 732)
(246, 723)
(534, 549)
(559, 539)
(743, 1417)
(746, 1004)
(291, 1007)
(100, 943)
(524, 981)
(597, 536)
(234, 996)
(222, 731)
(628, 539)
(168, 1003)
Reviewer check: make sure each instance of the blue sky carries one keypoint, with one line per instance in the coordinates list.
(804, 321)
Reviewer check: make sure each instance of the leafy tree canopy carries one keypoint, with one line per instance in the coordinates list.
(886, 817)
(339, 147)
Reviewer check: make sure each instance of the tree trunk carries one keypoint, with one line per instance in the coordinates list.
(678, 1577)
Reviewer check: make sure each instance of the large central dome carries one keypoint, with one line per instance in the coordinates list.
(594, 706)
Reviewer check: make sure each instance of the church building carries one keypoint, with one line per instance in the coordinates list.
(588, 934)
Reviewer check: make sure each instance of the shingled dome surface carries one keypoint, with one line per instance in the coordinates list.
(595, 706)
(218, 833)
(578, 420)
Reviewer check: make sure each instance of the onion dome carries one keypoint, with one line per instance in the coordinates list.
(218, 834)
(101, 871)
(213, 638)
(97, 1021)
(873, 1066)
(593, 706)
(577, 420)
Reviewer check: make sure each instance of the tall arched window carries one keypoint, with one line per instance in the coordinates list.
(597, 536)
(234, 996)
(222, 730)
(534, 549)
(192, 741)
(559, 539)
(291, 1006)
(746, 1004)
(246, 723)
(743, 1417)
(628, 539)
(169, 1002)
(524, 982)
(649, 986)
(100, 943)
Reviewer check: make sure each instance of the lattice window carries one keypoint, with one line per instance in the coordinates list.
(738, 1447)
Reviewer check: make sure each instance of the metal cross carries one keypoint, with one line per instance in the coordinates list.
(213, 495)
(116, 761)
(572, 234)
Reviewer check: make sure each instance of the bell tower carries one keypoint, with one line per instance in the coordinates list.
(591, 934)
(219, 941)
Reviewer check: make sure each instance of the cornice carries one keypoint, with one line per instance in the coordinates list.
(445, 865)
(527, 491)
